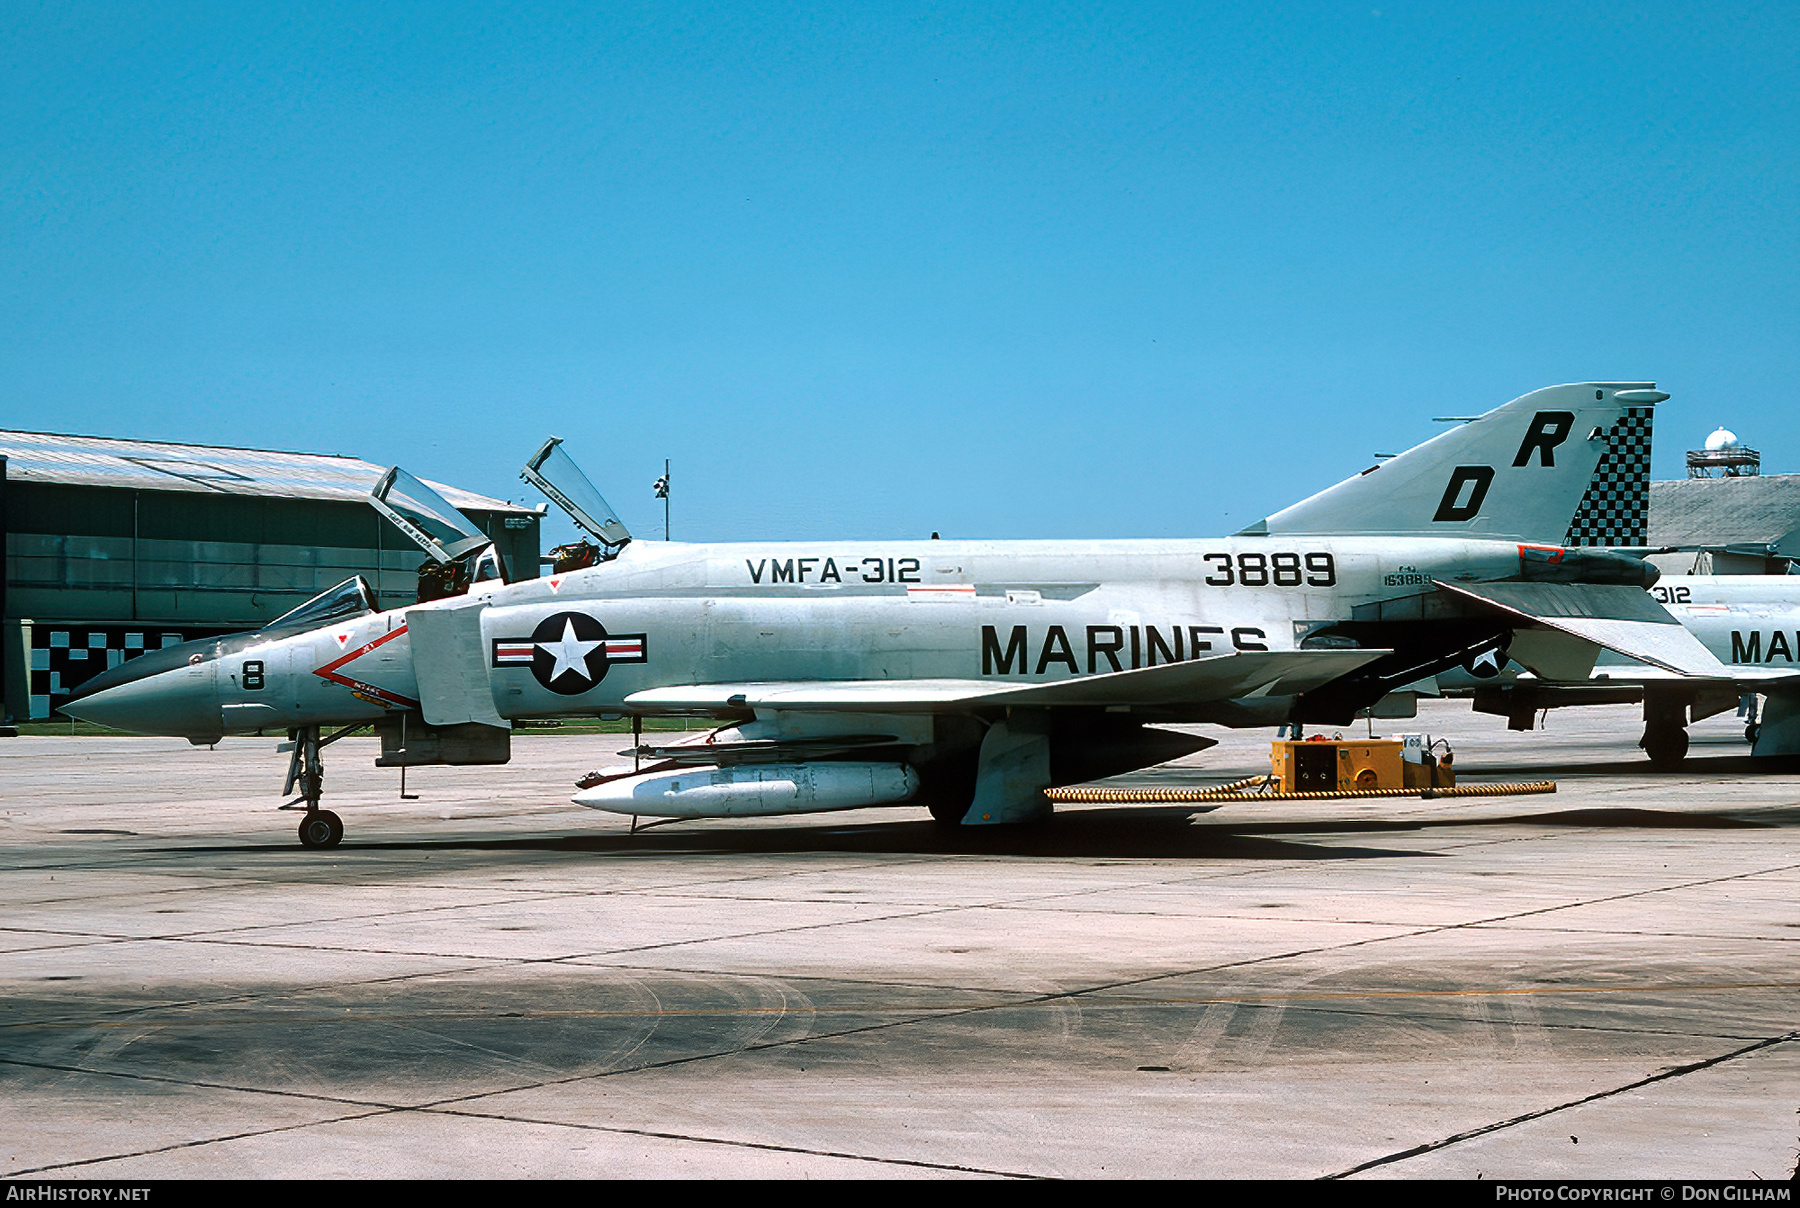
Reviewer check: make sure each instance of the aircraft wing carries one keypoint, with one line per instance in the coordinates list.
(1752, 678)
(1619, 618)
(1222, 677)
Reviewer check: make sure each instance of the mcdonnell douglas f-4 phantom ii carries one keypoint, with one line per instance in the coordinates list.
(1750, 623)
(966, 676)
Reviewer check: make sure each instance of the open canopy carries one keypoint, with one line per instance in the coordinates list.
(425, 516)
(555, 473)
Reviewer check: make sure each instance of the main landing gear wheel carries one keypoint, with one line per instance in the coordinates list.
(1666, 746)
(321, 828)
(948, 813)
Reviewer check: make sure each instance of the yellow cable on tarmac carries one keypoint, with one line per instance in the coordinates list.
(1101, 794)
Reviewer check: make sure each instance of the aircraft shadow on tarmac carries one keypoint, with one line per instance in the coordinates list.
(1172, 832)
(1134, 832)
(1641, 770)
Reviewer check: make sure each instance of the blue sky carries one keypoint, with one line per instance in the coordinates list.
(874, 270)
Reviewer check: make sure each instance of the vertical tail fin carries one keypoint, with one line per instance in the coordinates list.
(1565, 465)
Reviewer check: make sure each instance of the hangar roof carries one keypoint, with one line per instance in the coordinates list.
(1695, 513)
(150, 465)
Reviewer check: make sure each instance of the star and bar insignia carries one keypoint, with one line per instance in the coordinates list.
(570, 652)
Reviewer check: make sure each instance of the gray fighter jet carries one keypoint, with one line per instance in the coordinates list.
(1750, 623)
(966, 676)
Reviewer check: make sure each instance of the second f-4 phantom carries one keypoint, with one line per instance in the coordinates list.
(966, 676)
(1750, 623)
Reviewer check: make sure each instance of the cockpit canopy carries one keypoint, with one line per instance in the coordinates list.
(426, 516)
(552, 471)
(460, 553)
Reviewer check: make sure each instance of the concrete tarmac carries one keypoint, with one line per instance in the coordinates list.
(492, 982)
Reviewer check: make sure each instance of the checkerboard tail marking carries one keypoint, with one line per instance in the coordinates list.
(1616, 508)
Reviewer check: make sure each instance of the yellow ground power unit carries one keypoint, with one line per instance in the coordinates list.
(1341, 765)
(1336, 765)
(1420, 767)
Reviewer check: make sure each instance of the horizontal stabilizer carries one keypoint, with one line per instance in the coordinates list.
(1619, 618)
(1223, 677)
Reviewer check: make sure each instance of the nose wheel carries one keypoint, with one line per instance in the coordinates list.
(320, 829)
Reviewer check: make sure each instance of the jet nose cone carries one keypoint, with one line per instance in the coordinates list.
(183, 702)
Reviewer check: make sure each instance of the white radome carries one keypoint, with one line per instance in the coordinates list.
(1722, 439)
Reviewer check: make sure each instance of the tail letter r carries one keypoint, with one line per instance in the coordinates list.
(1548, 430)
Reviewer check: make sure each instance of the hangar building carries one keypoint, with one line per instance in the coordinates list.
(1726, 517)
(118, 546)
(1727, 526)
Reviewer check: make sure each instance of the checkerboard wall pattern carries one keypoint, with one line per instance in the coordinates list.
(63, 657)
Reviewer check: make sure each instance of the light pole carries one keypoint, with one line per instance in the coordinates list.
(661, 486)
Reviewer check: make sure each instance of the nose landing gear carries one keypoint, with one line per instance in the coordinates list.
(319, 828)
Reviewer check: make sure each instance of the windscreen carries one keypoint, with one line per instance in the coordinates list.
(555, 473)
(351, 598)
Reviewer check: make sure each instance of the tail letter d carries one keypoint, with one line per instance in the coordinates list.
(1476, 480)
